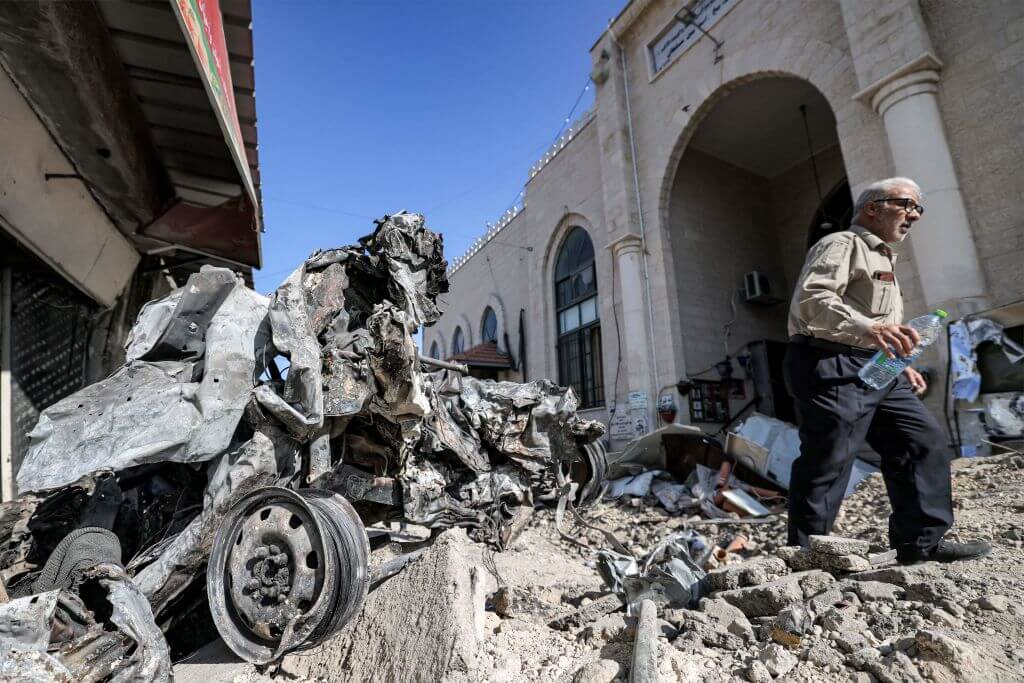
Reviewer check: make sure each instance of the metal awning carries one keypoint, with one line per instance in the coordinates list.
(201, 115)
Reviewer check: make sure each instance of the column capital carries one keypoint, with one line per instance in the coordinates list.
(628, 243)
(916, 76)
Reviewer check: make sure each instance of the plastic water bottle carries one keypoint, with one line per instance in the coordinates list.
(881, 369)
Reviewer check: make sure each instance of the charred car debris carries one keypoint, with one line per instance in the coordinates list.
(225, 475)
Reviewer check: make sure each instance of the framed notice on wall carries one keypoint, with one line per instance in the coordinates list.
(709, 400)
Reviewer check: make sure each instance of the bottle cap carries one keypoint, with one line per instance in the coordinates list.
(941, 313)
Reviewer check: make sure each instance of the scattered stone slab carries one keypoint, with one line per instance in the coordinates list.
(777, 660)
(840, 563)
(932, 590)
(798, 558)
(882, 558)
(842, 621)
(837, 545)
(757, 672)
(727, 616)
(750, 573)
(698, 627)
(770, 598)
(993, 603)
(606, 604)
(823, 654)
(608, 628)
(601, 671)
(877, 591)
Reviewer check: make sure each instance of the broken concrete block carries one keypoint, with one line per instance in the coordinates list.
(885, 557)
(698, 626)
(823, 654)
(840, 563)
(831, 597)
(877, 591)
(727, 616)
(601, 671)
(750, 573)
(849, 642)
(798, 559)
(994, 603)
(813, 581)
(608, 628)
(777, 660)
(901, 576)
(758, 673)
(767, 599)
(432, 613)
(836, 545)
(842, 621)
(895, 667)
(933, 590)
(956, 654)
(589, 612)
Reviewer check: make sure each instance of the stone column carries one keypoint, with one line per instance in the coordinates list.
(942, 243)
(627, 252)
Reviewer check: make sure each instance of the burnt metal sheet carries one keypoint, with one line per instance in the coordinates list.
(190, 427)
(179, 398)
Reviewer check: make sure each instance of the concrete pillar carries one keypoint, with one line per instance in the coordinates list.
(942, 242)
(636, 350)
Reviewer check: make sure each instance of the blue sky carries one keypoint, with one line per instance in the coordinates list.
(438, 107)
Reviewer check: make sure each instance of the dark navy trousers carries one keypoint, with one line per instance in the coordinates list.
(837, 413)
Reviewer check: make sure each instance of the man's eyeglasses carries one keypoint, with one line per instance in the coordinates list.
(906, 203)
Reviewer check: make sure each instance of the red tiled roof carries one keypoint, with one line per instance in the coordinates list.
(486, 355)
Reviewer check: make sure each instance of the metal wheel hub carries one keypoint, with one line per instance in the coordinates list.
(275, 562)
(287, 569)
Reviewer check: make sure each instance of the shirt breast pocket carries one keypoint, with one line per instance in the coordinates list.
(881, 297)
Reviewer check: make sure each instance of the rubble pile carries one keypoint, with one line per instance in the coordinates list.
(843, 610)
(231, 466)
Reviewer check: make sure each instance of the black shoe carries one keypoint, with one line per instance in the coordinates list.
(948, 551)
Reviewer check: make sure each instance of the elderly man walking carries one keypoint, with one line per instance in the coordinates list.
(848, 304)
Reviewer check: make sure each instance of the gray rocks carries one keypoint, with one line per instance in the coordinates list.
(699, 627)
(877, 591)
(934, 590)
(823, 655)
(767, 599)
(777, 660)
(601, 671)
(842, 621)
(750, 573)
(727, 616)
(995, 603)
(758, 673)
(835, 545)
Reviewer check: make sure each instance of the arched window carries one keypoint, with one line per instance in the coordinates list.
(458, 342)
(579, 328)
(489, 326)
(434, 351)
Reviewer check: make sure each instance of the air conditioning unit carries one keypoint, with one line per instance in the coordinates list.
(757, 289)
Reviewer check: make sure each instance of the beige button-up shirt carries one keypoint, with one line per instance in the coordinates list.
(848, 284)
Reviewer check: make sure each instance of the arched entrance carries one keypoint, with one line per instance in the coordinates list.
(749, 191)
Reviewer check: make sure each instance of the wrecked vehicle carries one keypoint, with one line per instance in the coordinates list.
(239, 454)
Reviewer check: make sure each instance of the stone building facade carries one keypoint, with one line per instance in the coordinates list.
(708, 155)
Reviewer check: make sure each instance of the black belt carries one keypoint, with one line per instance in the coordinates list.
(836, 347)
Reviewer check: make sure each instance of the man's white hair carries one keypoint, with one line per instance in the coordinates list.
(880, 189)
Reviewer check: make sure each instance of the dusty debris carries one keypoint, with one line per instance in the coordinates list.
(269, 432)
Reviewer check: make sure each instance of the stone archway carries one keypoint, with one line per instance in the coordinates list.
(741, 197)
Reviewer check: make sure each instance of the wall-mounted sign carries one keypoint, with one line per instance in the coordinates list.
(678, 36)
(203, 26)
(638, 400)
(620, 426)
